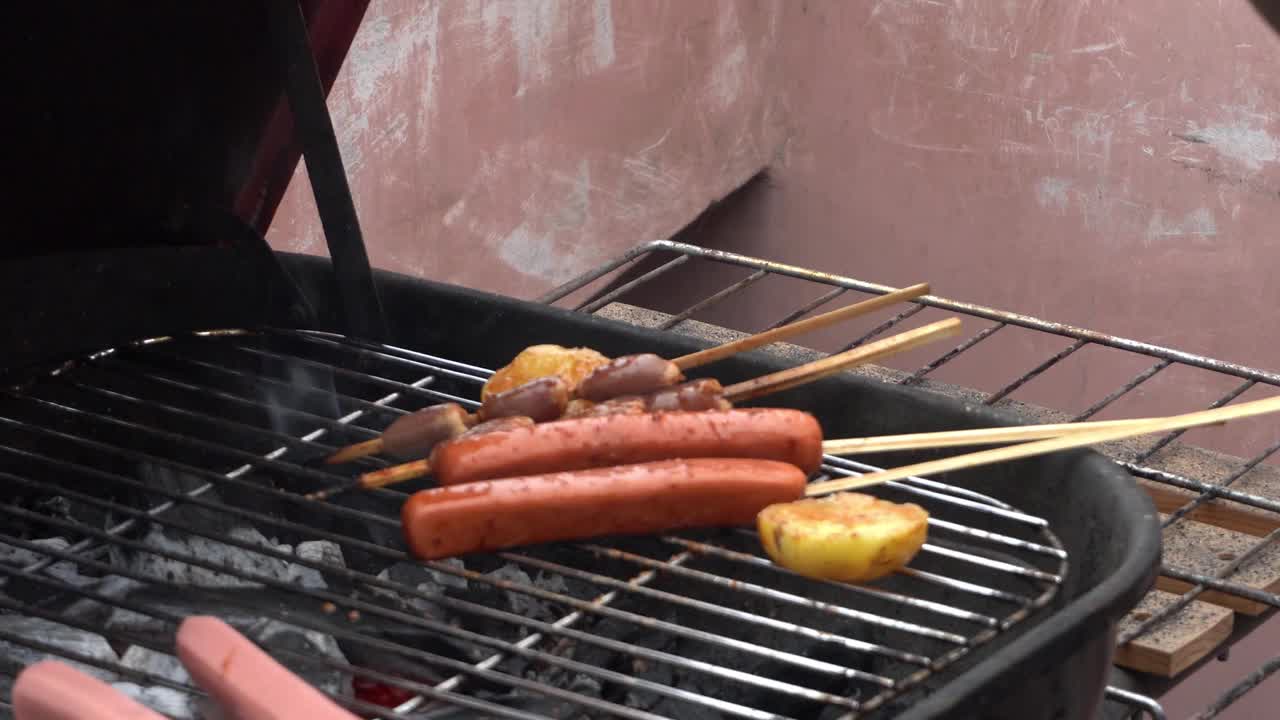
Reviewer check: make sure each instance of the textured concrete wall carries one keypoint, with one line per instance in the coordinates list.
(511, 145)
(1112, 165)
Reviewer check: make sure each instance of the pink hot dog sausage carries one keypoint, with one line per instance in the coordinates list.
(50, 690)
(785, 435)
(244, 680)
(627, 500)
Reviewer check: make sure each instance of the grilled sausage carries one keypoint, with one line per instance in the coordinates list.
(781, 434)
(541, 400)
(637, 499)
(629, 375)
(415, 435)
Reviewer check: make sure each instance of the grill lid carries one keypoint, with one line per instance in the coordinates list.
(132, 124)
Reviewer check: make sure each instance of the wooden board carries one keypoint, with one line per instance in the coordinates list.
(1177, 643)
(1221, 513)
(1206, 550)
(1188, 461)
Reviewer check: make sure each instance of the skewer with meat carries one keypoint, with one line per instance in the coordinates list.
(594, 377)
(700, 394)
(817, 530)
(546, 382)
(690, 399)
(543, 400)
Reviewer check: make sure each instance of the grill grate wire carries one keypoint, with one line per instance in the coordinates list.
(1163, 358)
(227, 410)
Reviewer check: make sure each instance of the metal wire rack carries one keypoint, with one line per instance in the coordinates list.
(1206, 489)
(165, 478)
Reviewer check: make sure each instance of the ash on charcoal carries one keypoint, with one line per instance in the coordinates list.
(121, 620)
(64, 570)
(175, 481)
(170, 604)
(423, 579)
(167, 701)
(316, 551)
(234, 558)
(274, 635)
(155, 663)
(59, 636)
(43, 503)
(527, 605)
(636, 667)
(112, 587)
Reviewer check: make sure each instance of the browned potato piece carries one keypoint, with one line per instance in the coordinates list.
(538, 361)
(846, 537)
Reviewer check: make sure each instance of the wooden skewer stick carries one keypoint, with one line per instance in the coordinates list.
(960, 438)
(358, 450)
(720, 352)
(377, 479)
(775, 382)
(989, 457)
(818, 369)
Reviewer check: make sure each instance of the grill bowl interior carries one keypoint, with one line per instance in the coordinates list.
(1053, 663)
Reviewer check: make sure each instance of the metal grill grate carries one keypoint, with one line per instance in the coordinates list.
(1205, 484)
(164, 478)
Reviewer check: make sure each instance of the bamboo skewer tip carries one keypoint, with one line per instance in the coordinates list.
(1204, 418)
(720, 352)
(327, 493)
(703, 357)
(354, 451)
(961, 438)
(832, 364)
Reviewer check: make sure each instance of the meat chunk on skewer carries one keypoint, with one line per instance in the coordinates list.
(539, 361)
(541, 400)
(701, 394)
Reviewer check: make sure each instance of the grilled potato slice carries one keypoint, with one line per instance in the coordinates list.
(537, 361)
(847, 537)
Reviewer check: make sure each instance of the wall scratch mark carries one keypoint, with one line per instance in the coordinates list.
(1095, 48)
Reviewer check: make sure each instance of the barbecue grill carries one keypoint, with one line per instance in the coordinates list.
(170, 382)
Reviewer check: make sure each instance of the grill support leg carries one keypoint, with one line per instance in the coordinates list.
(358, 297)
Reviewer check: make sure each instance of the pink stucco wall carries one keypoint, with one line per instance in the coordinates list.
(511, 145)
(1107, 164)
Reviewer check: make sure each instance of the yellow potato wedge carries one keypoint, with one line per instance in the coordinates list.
(846, 537)
(537, 361)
